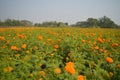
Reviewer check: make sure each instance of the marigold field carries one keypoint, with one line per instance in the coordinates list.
(59, 54)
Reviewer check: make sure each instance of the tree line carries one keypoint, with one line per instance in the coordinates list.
(103, 22)
(13, 22)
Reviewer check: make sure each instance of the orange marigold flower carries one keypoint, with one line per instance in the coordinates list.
(81, 77)
(21, 36)
(83, 41)
(40, 78)
(8, 69)
(101, 50)
(118, 66)
(42, 73)
(96, 47)
(35, 47)
(68, 34)
(2, 38)
(14, 48)
(100, 40)
(56, 46)
(109, 60)
(70, 68)
(114, 45)
(57, 70)
(40, 37)
(24, 46)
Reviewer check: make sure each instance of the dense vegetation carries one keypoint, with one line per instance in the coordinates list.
(59, 54)
(103, 22)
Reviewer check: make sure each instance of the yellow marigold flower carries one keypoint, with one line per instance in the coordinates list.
(57, 70)
(27, 52)
(24, 59)
(24, 46)
(81, 77)
(17, 55)
(110, 74)
(109, 60)
(7, 42)
(70, 68)
(31, 75)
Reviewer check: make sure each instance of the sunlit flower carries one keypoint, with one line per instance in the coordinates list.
(24, 46)
(68, 34)
(42, 73)
(40, 78)
(31, 75)
(14, 48)
(57, 70)
(17, 55)
(83, 41)
(100, 40)
(110, 74)
(27, 52)
(35, 47)
(114, 45)
(40, 37)
(21, 36)
(81, 77)
(101, 50)
(4, 46)
(70, 67)
(2, 38)
(118, 65)
(8, 69)
(56, 46)
(96, 47)
(109, 60)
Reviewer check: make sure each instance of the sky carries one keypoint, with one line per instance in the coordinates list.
(70, 11)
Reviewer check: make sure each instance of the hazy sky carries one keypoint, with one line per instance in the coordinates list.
(69, 11)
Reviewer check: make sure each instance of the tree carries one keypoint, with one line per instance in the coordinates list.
(8, 22)
(26, 23)
(61, 24)
(16, 23)
(81, 24)
(106, 22)
(92, 22)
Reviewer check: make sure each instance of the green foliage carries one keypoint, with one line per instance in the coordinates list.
(51, 24)
(103, 22)
(39, 59)
(10, 22)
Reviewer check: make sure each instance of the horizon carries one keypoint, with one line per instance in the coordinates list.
(38, 11)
